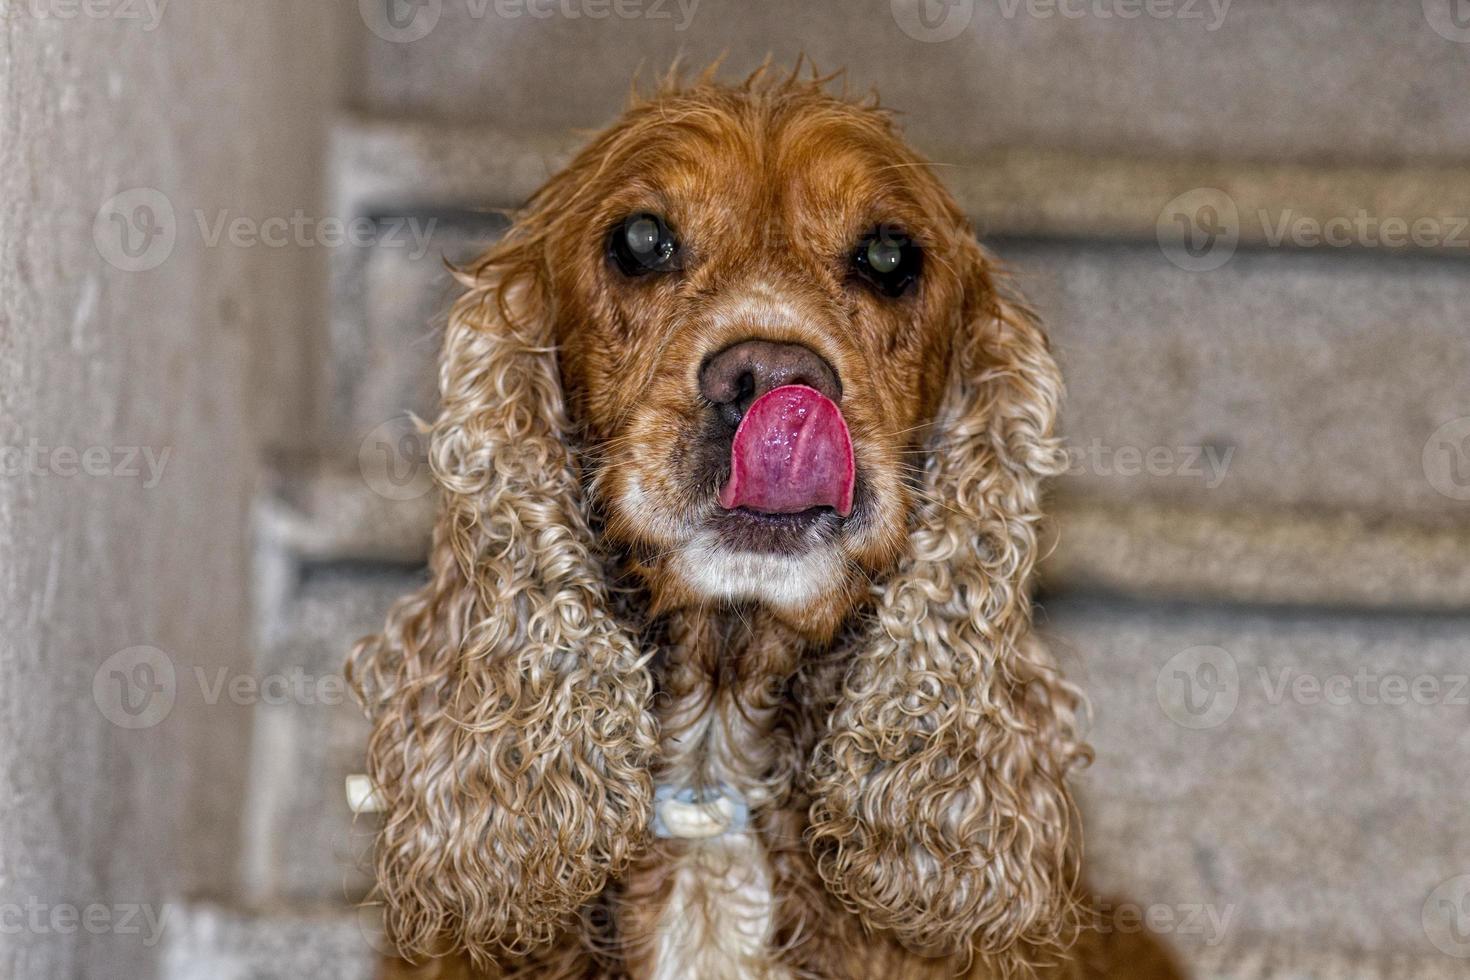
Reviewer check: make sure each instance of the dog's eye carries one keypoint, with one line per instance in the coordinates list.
(888, 260)
(642, 243)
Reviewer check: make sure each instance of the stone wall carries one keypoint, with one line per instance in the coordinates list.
(127, 330)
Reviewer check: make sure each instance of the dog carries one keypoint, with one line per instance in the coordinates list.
(725, 665)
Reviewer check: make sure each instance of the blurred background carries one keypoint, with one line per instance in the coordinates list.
(222, 235)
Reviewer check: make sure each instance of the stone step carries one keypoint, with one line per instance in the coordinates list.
(390, 301)
(1252, 79)
(1300, 771)
(328, 566)
(1340, 560)
(1280, 381)
(1267, 958)
(391, 164)
(301, 842)
(214, 942)
(332, 510)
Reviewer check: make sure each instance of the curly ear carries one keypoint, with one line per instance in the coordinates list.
(511, 737)
(940, 809)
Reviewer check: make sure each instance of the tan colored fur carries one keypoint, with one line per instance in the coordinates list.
(880, 700)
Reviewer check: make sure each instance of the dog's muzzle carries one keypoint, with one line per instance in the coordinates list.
(791, 451)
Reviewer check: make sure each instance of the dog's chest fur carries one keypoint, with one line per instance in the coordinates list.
(717, 918)
(714, 908)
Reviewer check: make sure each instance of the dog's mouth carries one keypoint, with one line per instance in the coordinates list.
(742, 529)
(792, 476)
(791, 454)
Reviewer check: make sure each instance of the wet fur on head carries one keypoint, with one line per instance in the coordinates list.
(515, 733)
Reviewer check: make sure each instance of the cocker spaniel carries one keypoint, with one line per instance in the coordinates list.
(725, 664)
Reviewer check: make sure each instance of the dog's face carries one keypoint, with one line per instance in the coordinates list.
(710, 254)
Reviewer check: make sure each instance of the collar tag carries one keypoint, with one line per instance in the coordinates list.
(687, 813)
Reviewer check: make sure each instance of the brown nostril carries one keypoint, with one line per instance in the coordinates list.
(738, 375)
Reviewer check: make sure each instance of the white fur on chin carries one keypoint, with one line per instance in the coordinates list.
(782, 581)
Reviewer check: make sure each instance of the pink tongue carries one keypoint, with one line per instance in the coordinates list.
(791, 452)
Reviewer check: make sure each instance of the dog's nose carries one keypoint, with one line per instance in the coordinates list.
(738, 375)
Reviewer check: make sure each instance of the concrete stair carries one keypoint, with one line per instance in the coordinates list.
(295, 943)
(1303, 768)
(1308, 81)
(1325, 372)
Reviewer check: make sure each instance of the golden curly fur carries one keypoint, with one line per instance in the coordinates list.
(882, 703)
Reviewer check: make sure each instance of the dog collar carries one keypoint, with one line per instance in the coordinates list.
(679, 812)
(690, 813)
(363, 796)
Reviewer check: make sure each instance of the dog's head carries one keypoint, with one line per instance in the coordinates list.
(746, 342)
(710, 249)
